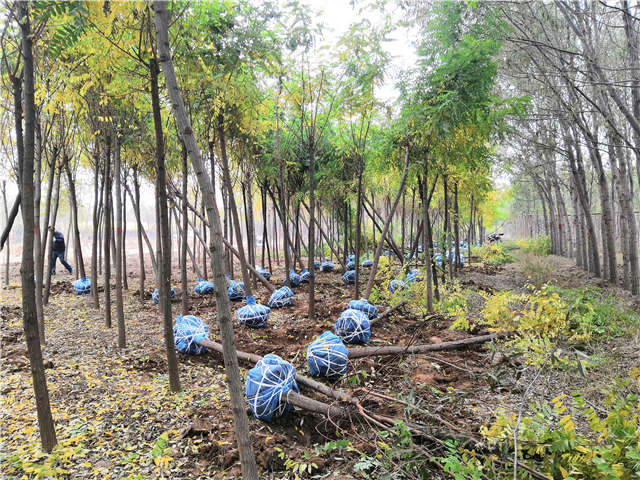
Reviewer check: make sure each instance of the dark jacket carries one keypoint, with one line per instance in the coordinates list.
(58, 242)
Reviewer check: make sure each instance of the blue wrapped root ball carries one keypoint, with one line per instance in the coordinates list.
(253, 314)
(266, 274)
(187, 333)
(281, 297)
(451, 256)
(294, 279)
(395, 285)
(414, 276)
(327, 356)
(438, 259)
(203, 287)
(349, 277)
(235, 290)
(353, 326)
(316, 264)
(351, 258)
(365, 307)
(155, 296)
(327, 266)
(367, 263)
(267, 383)
(82, 286)
(305, 275)
(351, 265)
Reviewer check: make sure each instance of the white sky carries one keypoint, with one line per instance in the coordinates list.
(337, 15)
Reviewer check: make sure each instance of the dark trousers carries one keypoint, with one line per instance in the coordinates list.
(54, 256)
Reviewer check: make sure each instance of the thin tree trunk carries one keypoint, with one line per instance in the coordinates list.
(107, 232)
(6, 214)
(37, 242)
(426, 243)
(456, 225)
(359, 228)
(311, 252)
(30, 321)
(122, 336)
(94, 243)
(376, 257)
(125, 281)
(184, 244)
(232, 203)
(136, 210)
(76, 228)
(245, 449)
(142, 274)
(164, 259)
(49, 246)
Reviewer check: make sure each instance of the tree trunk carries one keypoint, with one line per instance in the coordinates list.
(164, 259)
(94, 243)
(428, 254)
(6, 214)
(30, 321)
(142, 274)
(311, 253)
(37, 242)
(76, 229)
(184, 244)
(456, 225)
(359, 227)
(245, 449)
(47, 273)
(136, 210)
(387, 223)
(447, 238)
(125, 281)
(226, 175)
(107, 232)
(122, 336)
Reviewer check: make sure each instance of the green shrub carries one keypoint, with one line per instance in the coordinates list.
(548, 441)
(493, 254)
(537, 246)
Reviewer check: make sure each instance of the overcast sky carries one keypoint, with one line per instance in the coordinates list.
(337, 15)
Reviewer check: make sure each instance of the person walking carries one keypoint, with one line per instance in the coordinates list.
(57, 251)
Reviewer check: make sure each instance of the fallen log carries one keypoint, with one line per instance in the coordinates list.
(387, 312)
(416, 349)
(311, 405)
(300, 379)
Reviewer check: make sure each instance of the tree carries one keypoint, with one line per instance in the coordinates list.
(247, 459)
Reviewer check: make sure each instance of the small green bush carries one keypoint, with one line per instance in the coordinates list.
(537, 246)
(493, 254)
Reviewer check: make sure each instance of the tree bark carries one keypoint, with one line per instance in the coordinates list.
(6, 215)
(245, 449)
(164, 260)
(30, 322)
(54, 217)
(311, 253)
(184, 245)
(76, 229)
(107, 231)
(122, 335)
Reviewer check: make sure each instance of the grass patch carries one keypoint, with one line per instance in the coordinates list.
(537, 246)
(493, 254)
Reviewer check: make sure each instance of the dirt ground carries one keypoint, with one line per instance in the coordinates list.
(112, 406)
